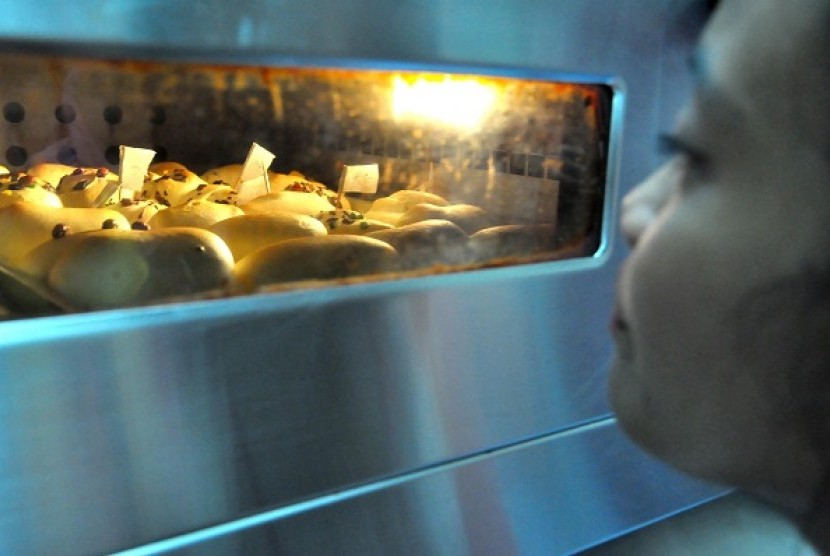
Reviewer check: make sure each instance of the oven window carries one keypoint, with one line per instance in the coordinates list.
(368, 174)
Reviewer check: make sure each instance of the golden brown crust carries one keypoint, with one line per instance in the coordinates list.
(249, 232)
(171, 184)
(50, 172)
(82, 187)
(428, 243)
(115, 268)
(18, 186)
(469, 218)
(512, 240)
(340, 221)
(309, 204)
(314, 258)
(26, 225)
(196, 214)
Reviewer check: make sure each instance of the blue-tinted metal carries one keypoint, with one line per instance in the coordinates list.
(126, 427)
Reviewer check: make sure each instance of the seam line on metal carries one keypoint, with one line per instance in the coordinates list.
(318, 501)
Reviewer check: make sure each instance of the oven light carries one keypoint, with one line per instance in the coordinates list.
(458, 102)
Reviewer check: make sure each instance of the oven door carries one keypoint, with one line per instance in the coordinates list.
(453, 413)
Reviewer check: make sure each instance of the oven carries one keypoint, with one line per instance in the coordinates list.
(451, 407)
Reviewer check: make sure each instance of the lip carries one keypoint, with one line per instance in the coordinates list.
(620, 331)
(618, 322)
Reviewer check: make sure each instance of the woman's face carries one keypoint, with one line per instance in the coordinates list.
(711, 303)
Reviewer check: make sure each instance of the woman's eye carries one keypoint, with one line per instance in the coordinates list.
(696, 159)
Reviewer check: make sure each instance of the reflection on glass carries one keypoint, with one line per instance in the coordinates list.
(473, 171)
(461, 103)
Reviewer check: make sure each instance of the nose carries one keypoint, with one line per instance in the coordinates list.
(642, 204)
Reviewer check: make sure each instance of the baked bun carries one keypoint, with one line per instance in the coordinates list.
(469, 218)
(137, 211)
(116, 268)
(83, 186)
(216, 192)
(426, 244)
(295, 181)
(23, 226)
(50, 172)
(391, 208)
(196, 214)
(17, 187)
(309, 204)
(250, 232)
(512, 240)
(227, 174)
(314, 258)
(170, 184)
(412, 197)
(359, 204)
(167, 167)
(340, 221)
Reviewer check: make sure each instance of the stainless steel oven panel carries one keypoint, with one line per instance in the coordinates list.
(124, 427)
(509, 502)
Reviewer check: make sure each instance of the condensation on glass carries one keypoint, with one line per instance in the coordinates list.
(531, 154)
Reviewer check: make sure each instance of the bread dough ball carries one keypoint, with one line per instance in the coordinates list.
(359, 204)
(197, 214)
(17, 187)
(387, 209)
(412, 197)
(392, 208)
(173, 185)
(24, 226)
(137, 211)
(83, 186)
(428, 243)
(217, 192)
(469, 218)
(227, 174)
(309, 204)
(314, 258)
(339, 221)
(115, 268)
(512, 240)
(250, 232)
(167, 167)
(50, 172)
(295, 181)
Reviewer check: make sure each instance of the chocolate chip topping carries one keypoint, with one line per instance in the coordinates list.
(59, 231)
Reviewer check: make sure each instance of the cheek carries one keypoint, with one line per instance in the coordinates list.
(675, 291)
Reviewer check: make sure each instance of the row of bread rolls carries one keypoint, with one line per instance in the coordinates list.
(70, 231)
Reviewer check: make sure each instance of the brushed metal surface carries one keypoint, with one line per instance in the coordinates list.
(124, 427)
(510, 502)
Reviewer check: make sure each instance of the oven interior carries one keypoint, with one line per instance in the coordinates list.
(527, 152)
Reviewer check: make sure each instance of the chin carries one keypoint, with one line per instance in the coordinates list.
(650, 424)
(627, 403)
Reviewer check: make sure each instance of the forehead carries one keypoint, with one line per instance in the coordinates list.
(770, 58)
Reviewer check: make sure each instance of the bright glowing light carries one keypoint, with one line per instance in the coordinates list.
(459, 102)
